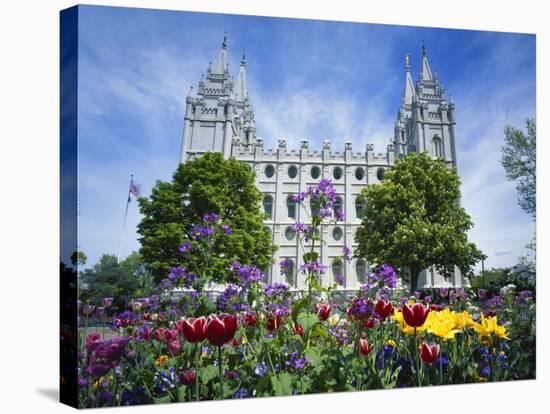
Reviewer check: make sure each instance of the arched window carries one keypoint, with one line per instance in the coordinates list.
(292, 171)
(438, 147)
(288, 271)
(268, 206)
(361, 270)
(380, 173)
(339, 204)
(359, 174)
(337, 269)
(269, 171)
(359, 206)
(315, 172)
(291, 207)
(337, 173)
(337, 233)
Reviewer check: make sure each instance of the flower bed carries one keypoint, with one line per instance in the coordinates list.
(255, 340)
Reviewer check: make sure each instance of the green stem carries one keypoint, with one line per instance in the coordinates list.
(197, 355)
(220, 371)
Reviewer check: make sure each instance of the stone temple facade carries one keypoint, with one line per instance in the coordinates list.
(221, 118)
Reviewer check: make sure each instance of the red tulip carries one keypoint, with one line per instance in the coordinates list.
(369, 323)
(429, 353)
(187, 377)
(220, 329)
(273, 322)
(415, 315)
(436, 308)
(298, 329)
(365, 348)
(250, 319)
(383, 309)
(92, 341)
(323, 311)
(193, 329)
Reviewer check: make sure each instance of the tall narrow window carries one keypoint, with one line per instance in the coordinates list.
(337, 269)
(268, 206)
(291, 207)
(359, 206)
(361, 270)
(288, 271)
(338, 205)
(438, 147)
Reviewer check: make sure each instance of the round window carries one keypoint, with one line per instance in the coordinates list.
(292, 171)
(315, 172)
(289, 234)
(337, 173)
(269, 171)
(359, 173)
(337, 233)
(380, 173)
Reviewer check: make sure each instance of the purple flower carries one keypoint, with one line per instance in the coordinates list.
(339, 280)
(285, 266)
(275, 289)
(297, 362)
(427, 299)
(443, 292)
(247, 273)
(341, 332)
(261, 369)
(226, 229)
(186, 247)
(230, 299)
(461, 294)
(201, 232)
(299, 197)
(482, 293)
(98, 370)
(298, 227)
(388, 275)
(210, 218)
(339, 214)
(314, 267)
(100, 311)
(348, 255)
(106, 302)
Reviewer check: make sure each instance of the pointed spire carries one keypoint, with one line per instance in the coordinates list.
(241, 87)
(425, 72)
(408, 92)
(222, 62)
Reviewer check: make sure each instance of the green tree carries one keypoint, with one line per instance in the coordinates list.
(121, 281)
(208, 184)
(413, 220)
(519, 160)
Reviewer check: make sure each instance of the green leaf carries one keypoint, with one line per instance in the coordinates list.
(307, 320)
(182, 389)
(208, 373)
(282, 384)
(162, 400)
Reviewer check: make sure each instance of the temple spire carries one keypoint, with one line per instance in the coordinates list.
(425, 72)
(241, 87)
(221, 64)
(408, 92)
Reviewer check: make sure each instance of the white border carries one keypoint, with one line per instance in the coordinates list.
(29, 207)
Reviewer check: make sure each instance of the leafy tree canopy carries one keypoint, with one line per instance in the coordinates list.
(519, 160)
(207, 184)
(413, 219)
(121, 281)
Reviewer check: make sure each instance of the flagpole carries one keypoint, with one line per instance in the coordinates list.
(125, 217)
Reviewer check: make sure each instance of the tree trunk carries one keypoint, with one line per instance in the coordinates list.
(415, 273)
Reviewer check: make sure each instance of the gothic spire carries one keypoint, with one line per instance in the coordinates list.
(425, 72)
(221, 63)
(241, 87)
(408, 92)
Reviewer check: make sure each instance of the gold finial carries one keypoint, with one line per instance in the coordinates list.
(407, 60)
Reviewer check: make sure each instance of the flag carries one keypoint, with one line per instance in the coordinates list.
(134, 188)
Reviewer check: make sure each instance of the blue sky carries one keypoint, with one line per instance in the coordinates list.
(307, 79)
